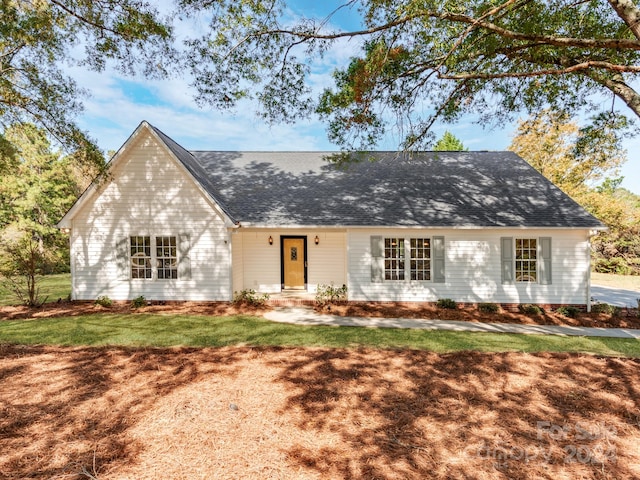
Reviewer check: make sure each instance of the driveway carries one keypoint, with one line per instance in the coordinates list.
(615, 296)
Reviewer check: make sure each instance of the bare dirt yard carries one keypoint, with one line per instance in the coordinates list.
(308, 413)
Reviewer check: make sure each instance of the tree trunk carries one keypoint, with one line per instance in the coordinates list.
(630, 13)
(620, 89)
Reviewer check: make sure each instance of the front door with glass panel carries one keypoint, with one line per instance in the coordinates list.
(293, 263)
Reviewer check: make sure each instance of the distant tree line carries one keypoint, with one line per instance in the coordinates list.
(39, 184)
(584, 163)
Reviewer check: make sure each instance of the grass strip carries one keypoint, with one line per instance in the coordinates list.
(153, 330)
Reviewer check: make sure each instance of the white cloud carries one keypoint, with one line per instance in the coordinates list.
(118, 104)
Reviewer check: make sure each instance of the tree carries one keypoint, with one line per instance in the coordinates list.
(449, 143)
(39, 36)
(446, 58)
(573, 158)
(584, 163)
(40, 187)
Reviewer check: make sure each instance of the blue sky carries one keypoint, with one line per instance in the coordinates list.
(117, 104)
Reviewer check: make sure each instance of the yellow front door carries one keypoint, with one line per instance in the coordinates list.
(293, 260)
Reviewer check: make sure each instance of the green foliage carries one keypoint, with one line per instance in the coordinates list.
(39, 37)
(530, 309)
(447, 303)
(139, 302)
(618, 250)
(23, 262)
(573, 158)
(615, 265)
(248, 296)
(327, 294)
(449, 143)
(607, 309)
(568, 311)
(488, 307)
(584, 163)
(495, 59)
(104, 301)
(37, 189)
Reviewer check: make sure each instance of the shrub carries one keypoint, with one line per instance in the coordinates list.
(326, 294)
(139, 302)
(615, 265)
(606, 309)
(248, 296)
(488, 307)
(568, 311)
(530, 309)
(104, 301)
(447, 303)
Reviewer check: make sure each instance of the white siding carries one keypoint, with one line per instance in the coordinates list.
(472, 268)
(327, 260)
(149, 194)
(261, 262)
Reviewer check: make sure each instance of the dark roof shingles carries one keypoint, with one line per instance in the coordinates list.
(434, 189)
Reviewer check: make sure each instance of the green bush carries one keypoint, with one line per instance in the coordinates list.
(488, 307)
(530, 309)
(248, 296)
(568, 311)
(447, 303)
(104, 301)
(606, 309)
(326, 294)
(138, 302)
(615, 265)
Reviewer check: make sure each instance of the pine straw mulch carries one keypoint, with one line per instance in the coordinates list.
(76, 308)
(626, 318)
(315, 413)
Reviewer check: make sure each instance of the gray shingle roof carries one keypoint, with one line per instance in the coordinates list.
(430, 189)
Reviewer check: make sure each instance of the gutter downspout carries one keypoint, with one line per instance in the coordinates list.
(588, 273)
(232, 231)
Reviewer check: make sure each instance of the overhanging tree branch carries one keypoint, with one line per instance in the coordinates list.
(537, 73)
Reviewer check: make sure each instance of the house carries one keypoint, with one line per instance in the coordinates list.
(173, 224)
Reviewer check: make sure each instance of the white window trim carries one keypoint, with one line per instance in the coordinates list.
(154, 259)
(407, 258)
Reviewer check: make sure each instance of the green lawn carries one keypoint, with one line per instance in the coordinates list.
(628, 282)
(200, 331)
(52, 287)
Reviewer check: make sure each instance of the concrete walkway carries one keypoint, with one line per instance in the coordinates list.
(308, 316)
(615, 296)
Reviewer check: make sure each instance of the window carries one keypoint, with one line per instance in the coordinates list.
(166, 257)
(394, 258)
(141, 259)
(420, 259)
(140, 255)
(526, 259)
(425, 262)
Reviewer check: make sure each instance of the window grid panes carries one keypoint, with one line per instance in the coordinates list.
(526, 259)
(141, 257)
(394, 259)
(420, 259)
(166, 257)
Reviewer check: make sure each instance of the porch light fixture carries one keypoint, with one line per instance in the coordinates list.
(270, 240)
(317, 240)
